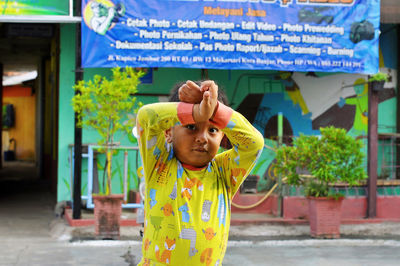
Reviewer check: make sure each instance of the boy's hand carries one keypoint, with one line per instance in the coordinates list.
(205, 109)
(190, 93)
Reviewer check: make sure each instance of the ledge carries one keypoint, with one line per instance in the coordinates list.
(90, 221)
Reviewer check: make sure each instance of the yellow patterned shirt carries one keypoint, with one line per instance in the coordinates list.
(187, 209)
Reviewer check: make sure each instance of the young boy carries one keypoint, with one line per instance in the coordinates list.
(188, 186)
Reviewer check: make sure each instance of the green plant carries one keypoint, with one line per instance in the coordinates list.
(379, 77)
(317, 162)
(106, 105)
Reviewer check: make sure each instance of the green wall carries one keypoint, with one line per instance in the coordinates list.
(66, 114)
(237, 84)
(163, 80)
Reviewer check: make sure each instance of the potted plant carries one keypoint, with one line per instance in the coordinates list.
(107, 105)
(317, 163)
(378, 81)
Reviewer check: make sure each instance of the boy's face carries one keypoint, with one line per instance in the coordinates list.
(195, 144)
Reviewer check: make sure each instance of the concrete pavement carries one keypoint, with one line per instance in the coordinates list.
(44, 251)
(44, 240)
(266, 244)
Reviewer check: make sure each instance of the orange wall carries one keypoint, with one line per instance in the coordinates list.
(24, 130)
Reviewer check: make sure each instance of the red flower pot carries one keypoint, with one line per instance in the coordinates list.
(107, 215)
(324, 217)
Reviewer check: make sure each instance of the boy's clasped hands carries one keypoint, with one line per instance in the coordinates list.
(204, 98)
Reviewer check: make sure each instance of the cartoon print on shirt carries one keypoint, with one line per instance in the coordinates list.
(146, 245)
(170, 150)
(199, 185)
(174, 192)
(190, 234)
(151, 143)
(237, 158)
(180, 170)
(242, 138)
(209, 167)
(156, 222)
(186, 191)
(185, 213)
(221, 209)
(206, 256)
(165, 257)
(231, 124)
(162, 171)
(167, 209)
(223, 242)
(160, 166)
(146, 262)
(152, 196)
(236, 147)
(157, 152)
(209, 233)
(225, 161)
(235, 173)
(205, 213)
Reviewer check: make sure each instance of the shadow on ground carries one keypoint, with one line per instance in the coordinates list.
(26, 204)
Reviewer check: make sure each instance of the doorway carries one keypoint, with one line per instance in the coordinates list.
(29, 59)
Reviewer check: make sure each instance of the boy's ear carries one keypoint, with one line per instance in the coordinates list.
(168, 135)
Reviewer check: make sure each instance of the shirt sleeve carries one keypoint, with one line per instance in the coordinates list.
(152, 121)
(247, 145)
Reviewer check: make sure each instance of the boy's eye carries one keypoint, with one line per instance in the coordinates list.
(191, 127)
(213, 130)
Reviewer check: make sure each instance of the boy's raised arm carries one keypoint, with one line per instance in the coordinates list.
(152, 121)
(247, 145)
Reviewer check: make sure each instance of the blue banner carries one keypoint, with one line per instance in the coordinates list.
(291, 35)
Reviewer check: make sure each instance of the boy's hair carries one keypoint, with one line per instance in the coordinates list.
(174, 97)
(174, 94)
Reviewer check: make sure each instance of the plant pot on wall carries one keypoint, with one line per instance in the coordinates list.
(107, 215)
(324, 217)
(330, 158)
(377, 85)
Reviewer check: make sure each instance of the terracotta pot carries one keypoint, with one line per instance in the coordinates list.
(324, 217)
(107, 215)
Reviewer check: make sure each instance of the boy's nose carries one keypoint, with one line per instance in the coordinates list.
(201, 137)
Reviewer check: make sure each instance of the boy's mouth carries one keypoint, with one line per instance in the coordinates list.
(198, 149)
